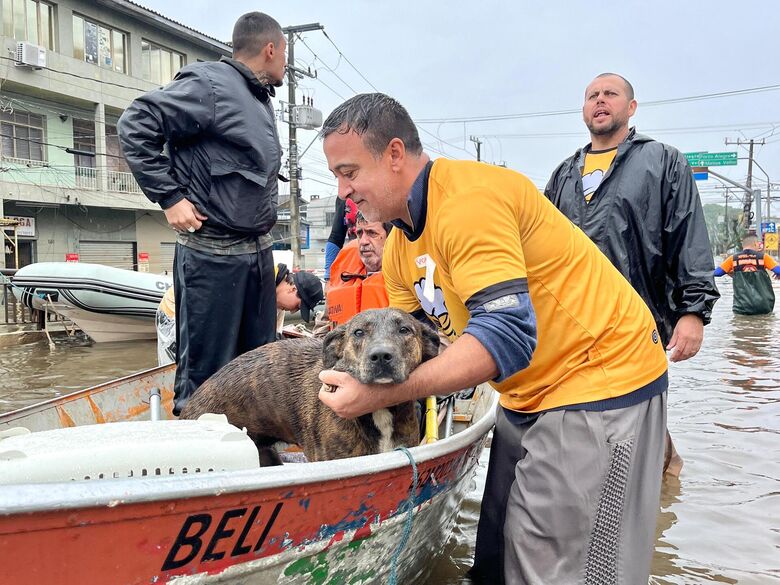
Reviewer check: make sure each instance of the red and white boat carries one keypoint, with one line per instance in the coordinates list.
(344, 521)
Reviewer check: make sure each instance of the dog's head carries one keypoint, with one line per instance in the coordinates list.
(379, 346)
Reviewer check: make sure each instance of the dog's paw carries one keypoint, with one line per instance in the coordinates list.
(327, 388)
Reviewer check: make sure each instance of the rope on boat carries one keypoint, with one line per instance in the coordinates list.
(408, 504)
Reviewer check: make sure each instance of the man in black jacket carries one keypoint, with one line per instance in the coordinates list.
(206, 149)
(637, 200)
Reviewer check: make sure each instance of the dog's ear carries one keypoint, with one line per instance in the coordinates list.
(431, 342)
(332, 346)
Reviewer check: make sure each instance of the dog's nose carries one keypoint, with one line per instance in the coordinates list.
(380, 356)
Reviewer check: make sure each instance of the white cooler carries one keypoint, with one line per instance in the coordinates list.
(123, 450)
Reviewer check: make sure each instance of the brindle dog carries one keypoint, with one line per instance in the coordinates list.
(273, 390)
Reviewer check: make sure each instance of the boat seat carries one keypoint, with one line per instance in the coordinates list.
(124, 450)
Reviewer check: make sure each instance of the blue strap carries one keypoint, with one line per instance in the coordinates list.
(408, 506)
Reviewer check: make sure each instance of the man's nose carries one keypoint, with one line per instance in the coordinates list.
(345, 189)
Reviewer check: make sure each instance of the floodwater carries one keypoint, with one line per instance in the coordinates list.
(719, 523)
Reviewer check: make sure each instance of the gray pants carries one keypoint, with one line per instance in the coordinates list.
(572, 497)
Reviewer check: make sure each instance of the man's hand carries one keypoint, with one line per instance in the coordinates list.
(350, 399)
(184, 215)
(687, 338)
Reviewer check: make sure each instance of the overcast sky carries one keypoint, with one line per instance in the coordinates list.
(445, 60)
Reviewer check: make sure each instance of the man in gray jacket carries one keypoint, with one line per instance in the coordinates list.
(637, 200)
(206, 149)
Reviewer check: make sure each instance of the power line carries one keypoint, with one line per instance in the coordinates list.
(692, 98)
(342, 55)
(672, 130)
(348, 61)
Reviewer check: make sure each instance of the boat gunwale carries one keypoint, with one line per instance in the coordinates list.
(25, 411)
(58, 496)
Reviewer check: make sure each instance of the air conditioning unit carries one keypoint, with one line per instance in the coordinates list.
(307, 117)
(29, 55)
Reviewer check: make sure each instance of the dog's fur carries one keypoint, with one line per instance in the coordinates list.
(273, 390)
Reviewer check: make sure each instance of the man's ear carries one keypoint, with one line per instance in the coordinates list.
(431, 342)
(397, 151)
(332, 347)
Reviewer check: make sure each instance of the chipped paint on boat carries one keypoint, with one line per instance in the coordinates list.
(315, 523)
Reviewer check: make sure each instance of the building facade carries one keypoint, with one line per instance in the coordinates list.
(61, 170)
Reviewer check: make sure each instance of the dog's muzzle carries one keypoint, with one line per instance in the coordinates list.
(384, 365)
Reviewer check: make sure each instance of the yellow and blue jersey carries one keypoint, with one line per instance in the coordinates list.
(485, 233)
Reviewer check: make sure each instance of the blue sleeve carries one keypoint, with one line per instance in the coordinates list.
(776, 270)
(719, 271)
(331, 251)
(508, 332)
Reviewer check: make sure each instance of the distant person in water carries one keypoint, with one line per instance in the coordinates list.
(753, 293)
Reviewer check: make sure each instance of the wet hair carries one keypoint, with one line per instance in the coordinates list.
(376, 117)
(629, 87)
(749, 241)
(253, 31)
(385, 224)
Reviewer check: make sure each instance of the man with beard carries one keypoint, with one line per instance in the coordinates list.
(637, 200)
(206, 149)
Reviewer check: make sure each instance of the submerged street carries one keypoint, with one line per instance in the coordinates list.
(718, 523)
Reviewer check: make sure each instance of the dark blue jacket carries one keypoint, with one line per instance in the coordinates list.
(646, 217)
(210, 136)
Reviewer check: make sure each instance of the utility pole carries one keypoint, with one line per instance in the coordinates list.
(748, 209)
(478, 143)
(292, 82)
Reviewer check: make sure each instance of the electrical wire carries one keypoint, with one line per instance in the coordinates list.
(652, 103)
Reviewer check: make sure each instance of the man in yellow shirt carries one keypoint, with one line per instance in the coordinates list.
(532, 306)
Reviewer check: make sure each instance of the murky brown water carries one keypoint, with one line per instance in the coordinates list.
(719, 523)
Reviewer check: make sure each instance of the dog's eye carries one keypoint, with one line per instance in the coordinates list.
(404, 330)
(358, 333)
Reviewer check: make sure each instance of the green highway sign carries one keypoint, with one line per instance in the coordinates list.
(711, 159)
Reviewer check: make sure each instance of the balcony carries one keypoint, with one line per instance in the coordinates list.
(123, 182)
(116, 181)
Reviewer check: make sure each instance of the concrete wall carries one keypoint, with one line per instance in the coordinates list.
(70, 87)
(151, 229)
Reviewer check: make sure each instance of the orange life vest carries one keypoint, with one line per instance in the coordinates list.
(351, 290)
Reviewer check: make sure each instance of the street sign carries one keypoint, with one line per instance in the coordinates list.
(769, 227)
(700, 173)
(711, 159)
(770, 242)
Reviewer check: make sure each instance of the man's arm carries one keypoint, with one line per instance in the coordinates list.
(688, 257)
(180, 111)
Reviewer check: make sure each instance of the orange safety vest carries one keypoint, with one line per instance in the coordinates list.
(355, 291)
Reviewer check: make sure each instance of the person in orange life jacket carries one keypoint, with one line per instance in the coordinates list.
(357, 282)
(753, 293)
(342, 230)
(299, 290)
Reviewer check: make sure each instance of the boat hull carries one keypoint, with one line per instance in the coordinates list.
(108, 304)
(326, 522)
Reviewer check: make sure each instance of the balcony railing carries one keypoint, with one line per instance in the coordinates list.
(25, 162)
(86, 177)
(122, 182)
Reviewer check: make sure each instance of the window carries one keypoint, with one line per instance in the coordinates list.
(159, 64)
(22, 136)
(99, 45)
(29, 20)
(115, 159)
(84, 140)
